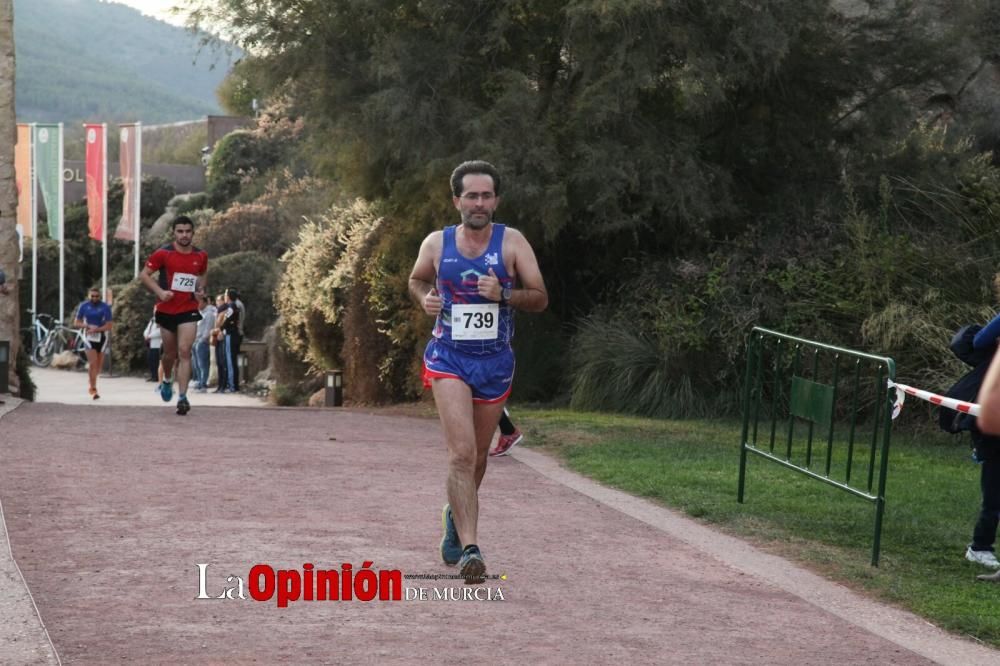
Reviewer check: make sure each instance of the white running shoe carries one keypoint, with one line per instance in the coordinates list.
(984, 557)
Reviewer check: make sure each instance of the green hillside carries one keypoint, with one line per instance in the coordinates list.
(85, 60)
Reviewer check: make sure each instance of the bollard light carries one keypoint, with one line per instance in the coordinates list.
(241, 367)
(334, 395)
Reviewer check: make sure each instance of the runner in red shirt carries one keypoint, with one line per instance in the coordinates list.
(182, 269)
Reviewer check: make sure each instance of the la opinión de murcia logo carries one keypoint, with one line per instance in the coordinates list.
(264, 583)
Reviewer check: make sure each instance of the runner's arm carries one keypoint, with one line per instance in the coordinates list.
(424, 275)
(146, 277)
(105, 327)
(531, 296)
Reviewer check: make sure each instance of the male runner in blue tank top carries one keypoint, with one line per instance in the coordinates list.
(471, 277)
(94, 316)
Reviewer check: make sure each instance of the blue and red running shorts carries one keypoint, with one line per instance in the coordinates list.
(489, 376)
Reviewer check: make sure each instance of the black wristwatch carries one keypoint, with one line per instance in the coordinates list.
(505, 295)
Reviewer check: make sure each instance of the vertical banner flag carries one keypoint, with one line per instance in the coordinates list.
(95, 180)
(22, 178)
(48, 166)
(127, 144)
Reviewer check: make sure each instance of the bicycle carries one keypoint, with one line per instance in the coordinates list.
(59, 339)
(36, 334)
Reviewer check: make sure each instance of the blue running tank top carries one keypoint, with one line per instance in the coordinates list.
(467, 321)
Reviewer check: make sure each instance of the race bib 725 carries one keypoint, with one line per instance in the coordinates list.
(184, 282)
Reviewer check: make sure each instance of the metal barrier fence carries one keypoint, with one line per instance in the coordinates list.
(843, 393)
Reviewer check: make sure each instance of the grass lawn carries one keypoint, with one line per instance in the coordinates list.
(932, 501)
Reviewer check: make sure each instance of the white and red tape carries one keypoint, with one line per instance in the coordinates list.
(933, 398)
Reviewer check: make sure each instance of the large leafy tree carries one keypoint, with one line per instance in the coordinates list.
(639, 127)
(612, 116)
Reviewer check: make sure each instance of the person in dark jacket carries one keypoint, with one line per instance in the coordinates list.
(218, 338)
(987, 453)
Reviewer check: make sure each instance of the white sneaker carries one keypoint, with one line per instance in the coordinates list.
(984, 557)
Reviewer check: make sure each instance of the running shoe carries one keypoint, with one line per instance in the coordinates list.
(93, 393)
(183, 406)
(451, 545)
(506, 443)
(166, 390)
(472, 567)
(984, 557)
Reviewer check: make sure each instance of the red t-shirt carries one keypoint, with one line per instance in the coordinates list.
(178, 273)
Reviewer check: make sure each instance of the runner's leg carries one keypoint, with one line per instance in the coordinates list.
(93, 367)
(100, 366)
(168, 353)
(468, 431)
(185, 340)
(454, 404)
(506, 425)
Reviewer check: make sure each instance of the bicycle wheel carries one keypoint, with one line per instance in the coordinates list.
(69, 340)
(80, 348)
(43, 353)
(30, 345)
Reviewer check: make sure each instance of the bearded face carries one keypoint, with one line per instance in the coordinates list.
(477, 202)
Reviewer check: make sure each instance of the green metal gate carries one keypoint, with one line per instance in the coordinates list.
(820, 410)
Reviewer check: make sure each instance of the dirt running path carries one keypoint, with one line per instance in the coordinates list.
(110, 510)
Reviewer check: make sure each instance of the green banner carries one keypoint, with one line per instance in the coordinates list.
(48, 166)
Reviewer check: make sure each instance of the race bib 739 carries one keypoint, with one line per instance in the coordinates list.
(479, 321)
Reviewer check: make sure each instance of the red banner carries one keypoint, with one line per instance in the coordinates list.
(96, 142)
(127, 144)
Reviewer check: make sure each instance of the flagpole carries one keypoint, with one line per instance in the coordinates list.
(137, 186)
(34, 230)
(62, 231)
(104, 212)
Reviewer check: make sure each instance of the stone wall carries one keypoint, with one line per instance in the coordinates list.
(8, 194)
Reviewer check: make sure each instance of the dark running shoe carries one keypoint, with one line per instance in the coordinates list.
(451, 545)
(166, 390)
(183, 406)
(472, 567)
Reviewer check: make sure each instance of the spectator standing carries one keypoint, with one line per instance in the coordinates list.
(989, 421)
(984, 535)
(233, 327)
(154, 341)
(219, 342)
(202, 342)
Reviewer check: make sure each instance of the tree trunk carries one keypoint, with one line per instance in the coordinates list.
(9, 310)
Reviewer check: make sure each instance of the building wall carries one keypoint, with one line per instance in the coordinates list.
(184, 178)
(220, 126)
